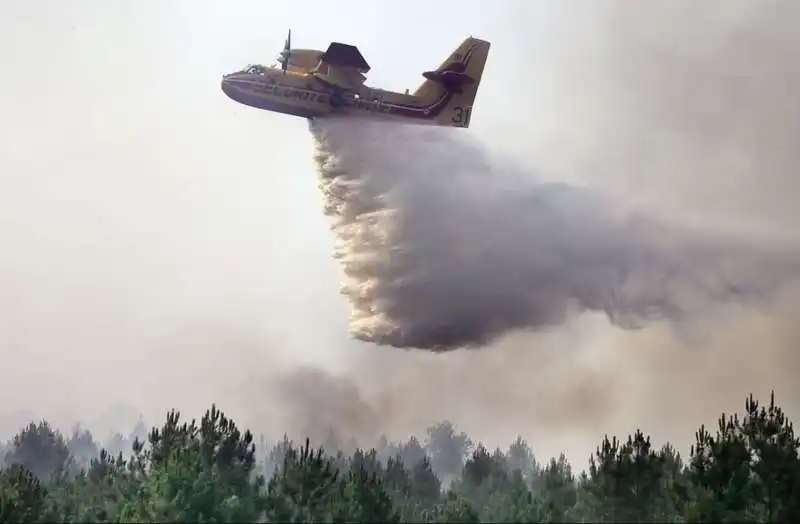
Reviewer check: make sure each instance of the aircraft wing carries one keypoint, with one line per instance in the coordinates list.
(345, 56)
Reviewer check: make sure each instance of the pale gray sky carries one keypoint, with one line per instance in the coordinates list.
(154, 232)
(137, 198)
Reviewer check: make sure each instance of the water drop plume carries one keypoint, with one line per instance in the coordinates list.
(444, 245)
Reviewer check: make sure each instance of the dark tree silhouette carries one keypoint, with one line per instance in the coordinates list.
(209, 471)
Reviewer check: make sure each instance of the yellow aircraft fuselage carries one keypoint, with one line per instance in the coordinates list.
(303, 94)
(445, 98)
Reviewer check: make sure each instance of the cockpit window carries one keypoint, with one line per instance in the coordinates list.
(255, 70)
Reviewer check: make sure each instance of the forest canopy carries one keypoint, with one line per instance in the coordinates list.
(744, 469)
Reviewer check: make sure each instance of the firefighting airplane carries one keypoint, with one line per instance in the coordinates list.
(314, 84)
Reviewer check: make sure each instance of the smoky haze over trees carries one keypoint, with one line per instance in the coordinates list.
(695, 104)
(744, 468)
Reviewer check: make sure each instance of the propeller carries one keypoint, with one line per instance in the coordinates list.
(284, 57)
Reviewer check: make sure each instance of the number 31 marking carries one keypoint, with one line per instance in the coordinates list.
(462, 115)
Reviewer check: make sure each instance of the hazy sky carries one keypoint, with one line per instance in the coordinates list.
(135, 192)
(138, 202)
(153, 233)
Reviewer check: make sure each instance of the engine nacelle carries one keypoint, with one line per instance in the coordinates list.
(306, 59)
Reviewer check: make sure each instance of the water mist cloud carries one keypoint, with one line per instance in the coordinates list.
(445, 247)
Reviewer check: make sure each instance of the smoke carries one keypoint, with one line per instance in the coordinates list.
(690, 107)
(688, 111)
(445, 247)
(672, 116)
(152, 276)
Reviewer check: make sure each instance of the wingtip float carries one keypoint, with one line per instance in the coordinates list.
(315, 84)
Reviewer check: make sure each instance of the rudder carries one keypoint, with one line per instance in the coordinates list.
(458, 77)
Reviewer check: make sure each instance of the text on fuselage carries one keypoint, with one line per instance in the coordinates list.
(310, 96)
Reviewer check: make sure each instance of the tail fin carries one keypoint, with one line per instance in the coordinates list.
(458, 78)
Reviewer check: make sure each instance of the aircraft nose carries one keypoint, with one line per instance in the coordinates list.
(225, 85)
